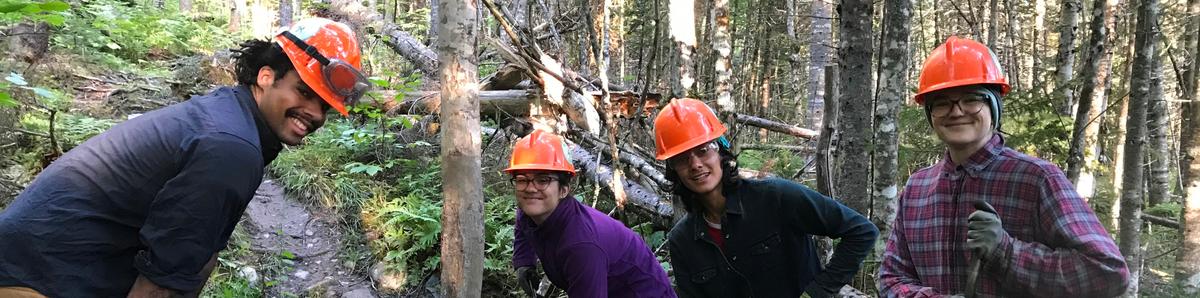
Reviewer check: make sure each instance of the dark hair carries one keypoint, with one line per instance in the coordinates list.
(729, 180)
(253, 55)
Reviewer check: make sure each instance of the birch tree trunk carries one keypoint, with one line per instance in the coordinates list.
(893, 92)
(818, 48)
(285, 13)
(1064, 73)
(1187, 272)
(1131, 194)
(462, 208)
(683, 32)
(854, 103)
(236, 13)
(1084, 140)
(722, 45)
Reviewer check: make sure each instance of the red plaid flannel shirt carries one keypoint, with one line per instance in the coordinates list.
(1056, 246)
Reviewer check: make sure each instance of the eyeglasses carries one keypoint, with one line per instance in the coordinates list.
(341, 77)
(702, 152)
(539, 183)
(969, 104)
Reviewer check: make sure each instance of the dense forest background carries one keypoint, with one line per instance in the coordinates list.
(820, 92)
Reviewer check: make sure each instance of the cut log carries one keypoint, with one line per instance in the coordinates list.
(400, 41)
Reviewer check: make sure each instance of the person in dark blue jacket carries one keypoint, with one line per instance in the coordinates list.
(582, 250)
(143, 208)
(748, 237)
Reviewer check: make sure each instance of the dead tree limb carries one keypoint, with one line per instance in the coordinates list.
(800, 149)
(400, 41)
(507, 102)
(777, 127)
(642, 199)
(630, 158)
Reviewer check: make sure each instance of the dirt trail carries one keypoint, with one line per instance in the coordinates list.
(281, 225)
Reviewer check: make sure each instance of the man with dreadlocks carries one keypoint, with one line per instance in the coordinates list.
(987, 220)
(143, 208)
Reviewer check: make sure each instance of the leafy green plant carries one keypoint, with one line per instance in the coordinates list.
(51, 12)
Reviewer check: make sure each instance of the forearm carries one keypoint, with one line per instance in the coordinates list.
(1095, 269)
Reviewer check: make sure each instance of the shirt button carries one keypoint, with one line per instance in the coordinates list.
(726, 236)
(735, 258)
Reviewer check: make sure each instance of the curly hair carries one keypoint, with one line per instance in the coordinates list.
(253, 55)
(690, 199)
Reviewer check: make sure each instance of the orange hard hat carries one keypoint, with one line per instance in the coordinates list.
(960, 62)
(682, 124)
(540, 150)
(326, 56)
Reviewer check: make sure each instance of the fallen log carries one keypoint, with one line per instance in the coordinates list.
(1161, 221)
(800, 149)
(658, 210)
(400, 41)
(634, 160)
(505, 102)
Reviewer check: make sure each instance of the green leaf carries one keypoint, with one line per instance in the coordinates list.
(287, 254)
(16, 78)
(55, 6)
(13, 6)
(56, 20)
(6, 100)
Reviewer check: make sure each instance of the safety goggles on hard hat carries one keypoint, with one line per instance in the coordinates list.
(341, 77)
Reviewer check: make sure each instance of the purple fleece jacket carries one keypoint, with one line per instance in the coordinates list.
(589, 254)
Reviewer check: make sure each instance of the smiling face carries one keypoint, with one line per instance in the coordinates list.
(538, 193)
(699, 168)
(961, 117)
(289, 107)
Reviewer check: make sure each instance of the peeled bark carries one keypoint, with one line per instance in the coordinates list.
(1141, 94)
(893, 80)
(236, 14)
(854, 118)
(1066, 55)
(723, 46)
(683, 32)
(462, 206)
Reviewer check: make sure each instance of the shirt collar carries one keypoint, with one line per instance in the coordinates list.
(266, 137)
(979, 160)
(733, 206)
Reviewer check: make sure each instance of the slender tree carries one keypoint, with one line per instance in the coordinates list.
(1064, 73)
(285, 13)
(819, 56)
(1187, 272)
(462, 208)
(1085, 135)
(1141, 94)
(855, 116)
(893, 91)
(722, 45)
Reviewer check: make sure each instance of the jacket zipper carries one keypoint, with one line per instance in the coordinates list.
(960, 180)
(725, 258)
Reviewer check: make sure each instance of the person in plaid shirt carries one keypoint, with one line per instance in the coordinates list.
(987, 220)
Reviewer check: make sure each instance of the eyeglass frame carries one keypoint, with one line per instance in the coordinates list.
(687, 155)
(515, 183)
(934, 103)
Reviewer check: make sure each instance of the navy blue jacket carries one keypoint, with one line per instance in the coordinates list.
(157, 195)
(769, 251)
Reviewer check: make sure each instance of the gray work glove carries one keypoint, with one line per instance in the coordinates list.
(984, 230)
(527, 279)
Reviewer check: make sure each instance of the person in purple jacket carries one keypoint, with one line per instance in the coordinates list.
(582, 250)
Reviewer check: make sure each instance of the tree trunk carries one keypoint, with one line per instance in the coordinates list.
(462, 208)
(185, 7)
(1140, 95)
(683, 32)
(991, 29)
(1158, 150)
(1084, 140)
(893, 84)
(434, 12)
(1039, 41)
(1118, 175)
(1066, 56)
(722, 45)
(1187, 269)
(236, 13)
(285, 13)
(818, 48)
(854, 103)
(825, 168)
